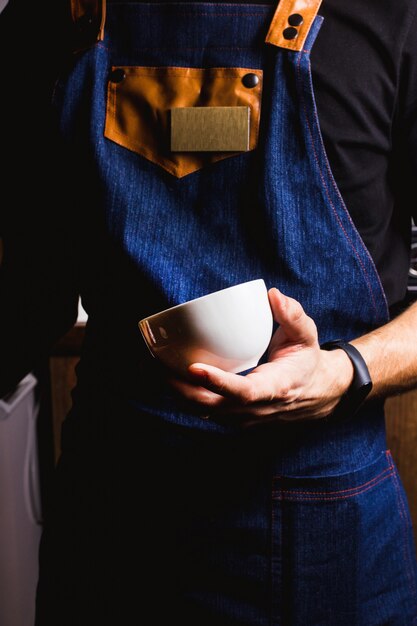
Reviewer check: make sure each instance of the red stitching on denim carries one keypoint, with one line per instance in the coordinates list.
(226, 72)
(364, 248)
(323, 496)
(194, 48)
(327, 190)
(264, 14)
(387, 469)
(406, 547)
(197, 14)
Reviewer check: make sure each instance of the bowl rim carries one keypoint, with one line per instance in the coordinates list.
(207, 296)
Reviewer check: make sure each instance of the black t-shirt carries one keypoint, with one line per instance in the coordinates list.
(364, 65)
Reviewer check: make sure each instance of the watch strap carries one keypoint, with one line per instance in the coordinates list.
(361, 384)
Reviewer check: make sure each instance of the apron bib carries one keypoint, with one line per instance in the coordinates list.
(318, 532)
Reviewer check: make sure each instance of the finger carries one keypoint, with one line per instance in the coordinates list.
(195, 393)
(287, 414)
(258, 386)
(257, 410)
(279, 418)
(220, 382)
(290, 315)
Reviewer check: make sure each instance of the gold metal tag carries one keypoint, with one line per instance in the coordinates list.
(210, 129)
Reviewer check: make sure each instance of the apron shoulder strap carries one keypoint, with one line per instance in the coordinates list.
(291, 23)
(88, 17)
(289, 27)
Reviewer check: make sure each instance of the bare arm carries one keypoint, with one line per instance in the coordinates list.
(391, 354)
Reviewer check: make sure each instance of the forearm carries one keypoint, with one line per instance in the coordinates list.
(391, 354)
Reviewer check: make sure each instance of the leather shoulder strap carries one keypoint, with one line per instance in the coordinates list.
(291, 23)
(89, 18)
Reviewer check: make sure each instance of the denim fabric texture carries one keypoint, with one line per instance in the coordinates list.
(273, 213)
(154, 519)
(303, 524)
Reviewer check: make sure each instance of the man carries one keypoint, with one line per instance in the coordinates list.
(283, 506)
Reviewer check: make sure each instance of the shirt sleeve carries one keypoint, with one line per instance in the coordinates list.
(39, 276)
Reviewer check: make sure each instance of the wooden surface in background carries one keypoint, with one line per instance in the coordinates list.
(401, 414)
(401, 423)
(62, 362)
(62, 382)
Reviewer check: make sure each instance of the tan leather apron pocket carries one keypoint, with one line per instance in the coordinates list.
(140, 99)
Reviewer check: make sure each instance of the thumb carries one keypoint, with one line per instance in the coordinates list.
(290, 315)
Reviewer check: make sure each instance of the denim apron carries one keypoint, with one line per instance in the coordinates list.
(295, 524)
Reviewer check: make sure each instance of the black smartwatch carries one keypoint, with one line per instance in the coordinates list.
(361, 384)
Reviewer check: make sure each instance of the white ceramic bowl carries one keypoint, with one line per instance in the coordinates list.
(230, 329)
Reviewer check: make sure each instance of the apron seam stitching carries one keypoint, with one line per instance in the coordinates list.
(338, 219)
(388, 469)
(324, 497)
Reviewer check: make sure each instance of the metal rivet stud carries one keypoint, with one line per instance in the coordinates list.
(295, 19)
(290, 33)
(250, 80)
(117, 75)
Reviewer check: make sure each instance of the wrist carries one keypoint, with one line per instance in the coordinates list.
(340, 371)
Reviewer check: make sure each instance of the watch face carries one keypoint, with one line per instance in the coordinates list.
(362, 392)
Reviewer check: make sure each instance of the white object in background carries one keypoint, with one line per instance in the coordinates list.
(20, 505)
(3, 4)
(82, 314)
